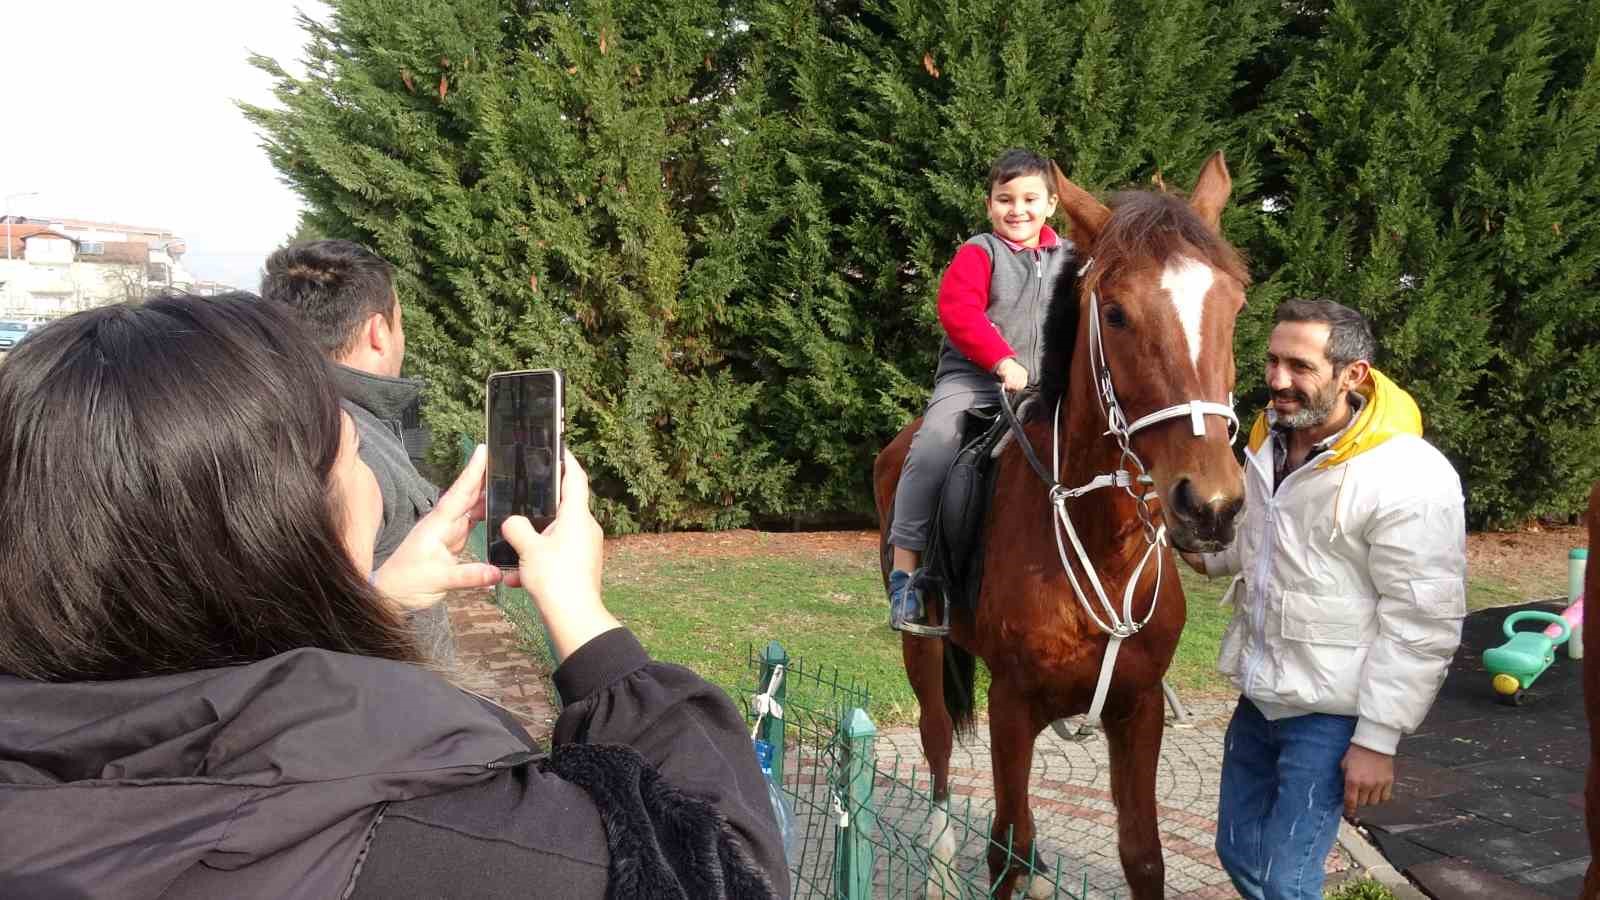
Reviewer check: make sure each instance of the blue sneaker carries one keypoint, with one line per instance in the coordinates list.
(905, 601)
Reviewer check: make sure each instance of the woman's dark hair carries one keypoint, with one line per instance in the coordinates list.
(165, 484)
(1015, 163)
(337, 287)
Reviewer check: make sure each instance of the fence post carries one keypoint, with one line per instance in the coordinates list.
(772, 726)
(853, 858)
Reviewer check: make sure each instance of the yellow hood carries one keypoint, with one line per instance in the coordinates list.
(1389, 411)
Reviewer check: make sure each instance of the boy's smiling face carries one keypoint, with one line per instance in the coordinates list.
(1018, 208)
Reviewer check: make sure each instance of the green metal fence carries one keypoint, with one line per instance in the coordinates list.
(865, 824)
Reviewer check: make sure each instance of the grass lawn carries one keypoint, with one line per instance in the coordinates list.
(705, 610)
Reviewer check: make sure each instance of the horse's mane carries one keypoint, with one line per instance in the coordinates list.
(1143, 225)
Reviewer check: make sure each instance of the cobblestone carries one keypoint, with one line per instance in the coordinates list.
(491, 663)
(1074, 815)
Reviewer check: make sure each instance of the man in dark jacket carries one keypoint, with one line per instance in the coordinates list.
(346, 294)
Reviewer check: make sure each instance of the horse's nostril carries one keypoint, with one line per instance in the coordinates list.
(1209, 518)
(1184, 502)
(1229, 510)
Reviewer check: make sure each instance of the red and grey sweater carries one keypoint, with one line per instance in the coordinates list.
(992, 303)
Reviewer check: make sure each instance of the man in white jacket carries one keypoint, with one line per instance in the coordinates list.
(1348, 598)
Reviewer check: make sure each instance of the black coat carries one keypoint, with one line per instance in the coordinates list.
(317, 774)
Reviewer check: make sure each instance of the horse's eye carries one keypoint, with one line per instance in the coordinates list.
(1115, 317)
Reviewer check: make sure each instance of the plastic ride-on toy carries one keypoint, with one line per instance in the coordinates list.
(1525, 655)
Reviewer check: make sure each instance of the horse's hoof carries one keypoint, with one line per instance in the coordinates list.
(942, 881)
(1074, 729)
(1041, 887)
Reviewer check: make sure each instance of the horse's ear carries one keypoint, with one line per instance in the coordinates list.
(1211, 191)
(1088, 215)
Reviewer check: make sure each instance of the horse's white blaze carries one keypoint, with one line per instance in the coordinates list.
(942, 853)
(1187, 281)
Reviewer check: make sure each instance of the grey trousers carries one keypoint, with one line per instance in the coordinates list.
(933, 448)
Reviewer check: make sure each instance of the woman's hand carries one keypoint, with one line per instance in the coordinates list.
(560, 568)
(1013, 377)
(427, 565)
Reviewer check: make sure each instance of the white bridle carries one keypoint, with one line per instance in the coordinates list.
(1118, 624)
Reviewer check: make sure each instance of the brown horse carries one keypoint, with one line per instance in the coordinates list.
(1154, 307)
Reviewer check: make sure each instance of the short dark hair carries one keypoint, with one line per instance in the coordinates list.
(1015, 163)
(335, 285)
(1349, 333)
(165, 480)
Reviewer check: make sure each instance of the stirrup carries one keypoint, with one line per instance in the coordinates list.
(913, 628)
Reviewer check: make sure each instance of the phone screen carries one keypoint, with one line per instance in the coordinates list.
(525, 414)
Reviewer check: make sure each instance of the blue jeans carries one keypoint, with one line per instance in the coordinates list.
(1282, 793)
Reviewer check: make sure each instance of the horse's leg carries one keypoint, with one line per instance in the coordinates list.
(1134, 739)
(1013, 726)
(924, 658)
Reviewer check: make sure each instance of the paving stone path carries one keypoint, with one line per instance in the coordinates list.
(1074, 814)
(492, 661)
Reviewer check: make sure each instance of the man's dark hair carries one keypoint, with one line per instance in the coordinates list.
(165, 480)
(1349, 333)
(337, 286)
(1015, 163)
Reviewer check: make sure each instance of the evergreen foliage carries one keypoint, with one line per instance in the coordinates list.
(536, 174)
(1441, 173)
(727, 220)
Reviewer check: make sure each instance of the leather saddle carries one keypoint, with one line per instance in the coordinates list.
(953, 565)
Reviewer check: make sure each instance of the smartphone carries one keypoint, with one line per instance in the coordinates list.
(525, 411)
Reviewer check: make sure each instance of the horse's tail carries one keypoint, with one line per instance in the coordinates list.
(959, 668)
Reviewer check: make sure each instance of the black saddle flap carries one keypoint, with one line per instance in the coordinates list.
(955, 562)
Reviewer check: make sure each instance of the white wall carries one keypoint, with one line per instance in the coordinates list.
(44, 249)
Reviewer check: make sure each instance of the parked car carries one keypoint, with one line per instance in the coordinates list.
(11, 334)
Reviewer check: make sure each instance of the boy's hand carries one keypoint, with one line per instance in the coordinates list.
(1013, 377)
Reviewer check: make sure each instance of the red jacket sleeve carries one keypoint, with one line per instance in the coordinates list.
(963, 304)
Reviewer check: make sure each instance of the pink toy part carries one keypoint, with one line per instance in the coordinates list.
(1574, 616)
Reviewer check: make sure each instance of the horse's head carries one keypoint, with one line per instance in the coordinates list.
(1164, 288)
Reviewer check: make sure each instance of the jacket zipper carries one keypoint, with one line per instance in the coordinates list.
(1038, 318)
(1257, 596)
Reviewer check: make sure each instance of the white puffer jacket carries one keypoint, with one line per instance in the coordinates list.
(1352, 576)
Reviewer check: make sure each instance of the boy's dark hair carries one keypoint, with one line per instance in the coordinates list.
(335, 285)
(1349, 333)
(1015, 163)
(165, 475)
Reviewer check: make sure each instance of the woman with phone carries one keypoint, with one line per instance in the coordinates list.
(205, 691)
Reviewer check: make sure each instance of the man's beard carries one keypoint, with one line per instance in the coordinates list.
(1313, 411)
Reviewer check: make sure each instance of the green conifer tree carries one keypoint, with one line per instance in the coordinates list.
(1441, 174)
(534, 170)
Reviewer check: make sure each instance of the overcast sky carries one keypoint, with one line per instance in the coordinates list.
(124, 112)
